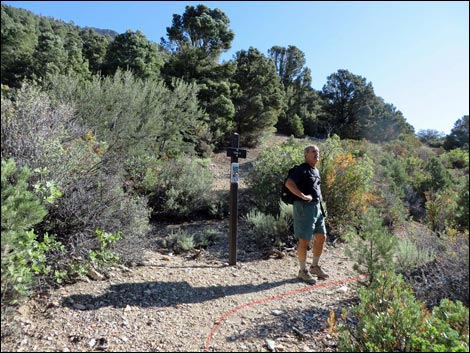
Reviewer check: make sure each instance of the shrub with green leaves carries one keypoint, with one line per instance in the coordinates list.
(440, 209)
(390, 184)
(23, 255)
(345, 178)
(384, 320)
(456, 158)
(269, 229)
(462, 214)
(104, 255)
(395, 172)
(179, 187)
(181, 240)
(390, 319)
(269, 172)
(345, 182)
(135, 117)
(437, 176)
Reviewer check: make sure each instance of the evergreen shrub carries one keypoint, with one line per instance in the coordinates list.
(23, 254)
(390, 319)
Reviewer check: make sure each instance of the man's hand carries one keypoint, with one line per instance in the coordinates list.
(307, 198)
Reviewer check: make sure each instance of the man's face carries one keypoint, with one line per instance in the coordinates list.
(312, 156)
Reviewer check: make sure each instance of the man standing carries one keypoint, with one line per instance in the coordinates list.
(304, 182)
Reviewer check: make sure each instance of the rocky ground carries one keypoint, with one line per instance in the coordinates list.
(175, 303)
(192, 302)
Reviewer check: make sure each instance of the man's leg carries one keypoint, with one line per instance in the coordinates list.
(318, 243)
(302, 249)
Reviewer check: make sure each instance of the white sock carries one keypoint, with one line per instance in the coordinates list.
(315, 260)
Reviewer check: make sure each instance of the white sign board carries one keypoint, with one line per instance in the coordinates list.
(234, 173)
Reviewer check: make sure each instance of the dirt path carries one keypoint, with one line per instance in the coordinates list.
(174, 304)
(193, 302)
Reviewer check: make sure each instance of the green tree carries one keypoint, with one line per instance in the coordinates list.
(19, 39)
(373, 247)
(73, 45)
(94, 48)
(133, 51)
(438, 177)
(307, 104)
(215, 92)
(200, 27)
(346, 96)
(463, 214)
(379, 121)
(49, 56)
(195, 40)
(259, 98)
(431, 137)
(295, 125)
(458, 136)
(302, 103)
(289, 63)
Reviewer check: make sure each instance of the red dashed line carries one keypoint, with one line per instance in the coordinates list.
(264, 300)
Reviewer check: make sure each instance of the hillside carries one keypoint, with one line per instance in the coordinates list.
(104, 32)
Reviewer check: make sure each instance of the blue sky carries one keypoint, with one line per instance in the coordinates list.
(415, 54)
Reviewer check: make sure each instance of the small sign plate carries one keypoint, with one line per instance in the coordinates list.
(234, 173)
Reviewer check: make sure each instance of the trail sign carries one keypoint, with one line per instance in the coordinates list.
(234, 152)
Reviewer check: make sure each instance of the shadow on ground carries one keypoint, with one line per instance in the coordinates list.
(162, 294)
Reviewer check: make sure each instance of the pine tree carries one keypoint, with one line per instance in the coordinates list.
(373, 247)
(21, 210)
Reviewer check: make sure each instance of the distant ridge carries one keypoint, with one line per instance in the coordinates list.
(104, 32)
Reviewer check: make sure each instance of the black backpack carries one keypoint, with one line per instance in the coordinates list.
(286, 195)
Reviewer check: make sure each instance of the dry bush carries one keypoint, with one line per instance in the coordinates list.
(43, 135)
(447, 275)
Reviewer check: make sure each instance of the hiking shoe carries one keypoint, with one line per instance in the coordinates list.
(305, 276)
(316, 270)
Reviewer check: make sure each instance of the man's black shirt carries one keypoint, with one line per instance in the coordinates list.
(308, 181)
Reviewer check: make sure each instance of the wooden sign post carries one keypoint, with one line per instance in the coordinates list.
(235, 152)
